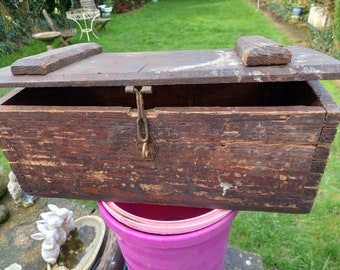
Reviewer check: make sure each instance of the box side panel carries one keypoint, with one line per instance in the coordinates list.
(329, 130)
(239, 158)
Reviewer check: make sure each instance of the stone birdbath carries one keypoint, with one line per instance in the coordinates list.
(69, 244)
(47, 37)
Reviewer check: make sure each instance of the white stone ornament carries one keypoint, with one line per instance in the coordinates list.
(66, 214)
(53, 230)
(60, 234)
(49, 249)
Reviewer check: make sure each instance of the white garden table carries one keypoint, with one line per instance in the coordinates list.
(85, 15)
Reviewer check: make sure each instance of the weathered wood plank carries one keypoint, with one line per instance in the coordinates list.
(322, 151)
(313, 181)
(262, 145)
(333, 115)
(318, 166)
(52, 60)
(250, 157)
(178, 67)
(99, 159)
(261, 51)
(328, 134)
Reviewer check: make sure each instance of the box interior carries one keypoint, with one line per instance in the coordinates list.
(212, 95)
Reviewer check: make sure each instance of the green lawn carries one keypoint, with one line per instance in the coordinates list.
(284, 241)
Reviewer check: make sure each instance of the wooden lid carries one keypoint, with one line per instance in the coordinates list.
(177, 67)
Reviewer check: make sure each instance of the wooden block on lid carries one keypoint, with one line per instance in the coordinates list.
(260, 51)
(52, 60)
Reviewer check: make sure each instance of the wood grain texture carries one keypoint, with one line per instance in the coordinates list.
(178, 67)
(267, 158)
(261, 51)
(229, 136)
(52, 60)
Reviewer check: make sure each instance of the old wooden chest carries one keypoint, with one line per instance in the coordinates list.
(203, 131)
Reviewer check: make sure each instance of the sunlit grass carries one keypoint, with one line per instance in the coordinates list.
(190, 24)
(296, 242)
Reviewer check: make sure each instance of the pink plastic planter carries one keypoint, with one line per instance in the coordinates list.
(201, 249)
(160, 219)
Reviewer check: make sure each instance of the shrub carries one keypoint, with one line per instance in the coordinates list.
(336, 26)
(283, 8)
(123, 6)
(19, 19)
(325, 40)
(321, 40)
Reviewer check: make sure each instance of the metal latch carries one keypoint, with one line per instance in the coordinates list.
(145, 145)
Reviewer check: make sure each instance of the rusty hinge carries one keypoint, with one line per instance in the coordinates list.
(145, 145)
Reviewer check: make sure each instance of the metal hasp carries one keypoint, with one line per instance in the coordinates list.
(146, 145)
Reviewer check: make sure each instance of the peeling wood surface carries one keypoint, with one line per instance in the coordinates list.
(261, 51)
(228, 136)
(268, 158)
(49, 61)
(178, 67)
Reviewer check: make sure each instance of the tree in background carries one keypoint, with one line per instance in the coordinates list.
(336, 27)
(20, 18)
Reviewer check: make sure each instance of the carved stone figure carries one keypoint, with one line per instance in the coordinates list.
(66, 214)
(53, 230)
(49, 249)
